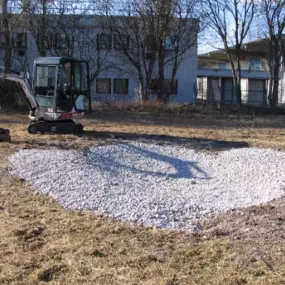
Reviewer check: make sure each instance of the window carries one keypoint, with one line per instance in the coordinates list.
(103, 85)
(171, 89)
(150, 41)
(282, 63)
(104, 41)
(45, 76)
(167, 88)
(222, 65)
(201, 88)
(80, 76)
(121, 86)
(170, 43)
(121, 42)
(254, 64)
(19, 40)
(44, 85)
(64, 74)
(45, 40)
(61, 41)
(2, 40)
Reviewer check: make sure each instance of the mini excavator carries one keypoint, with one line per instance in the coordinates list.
(59, 93)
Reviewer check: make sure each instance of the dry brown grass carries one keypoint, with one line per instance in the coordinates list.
(41, 243)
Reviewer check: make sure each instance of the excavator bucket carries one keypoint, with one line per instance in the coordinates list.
(5, 135)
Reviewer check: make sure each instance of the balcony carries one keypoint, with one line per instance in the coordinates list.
(212, 72)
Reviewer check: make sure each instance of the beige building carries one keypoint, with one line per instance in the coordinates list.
(214, 76)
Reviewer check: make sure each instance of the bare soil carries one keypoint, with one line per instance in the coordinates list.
(42, 243)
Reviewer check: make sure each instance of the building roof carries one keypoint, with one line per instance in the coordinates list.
(257, 47)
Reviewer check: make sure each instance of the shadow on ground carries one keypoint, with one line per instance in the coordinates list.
(108, 162)
(195, 143)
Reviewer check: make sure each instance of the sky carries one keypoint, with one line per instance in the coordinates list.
(209, 40)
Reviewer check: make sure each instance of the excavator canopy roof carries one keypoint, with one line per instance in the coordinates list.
(54, 60)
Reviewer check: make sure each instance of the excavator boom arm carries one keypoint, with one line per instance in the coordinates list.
(23, 83)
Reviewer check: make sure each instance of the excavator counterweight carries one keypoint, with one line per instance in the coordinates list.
(5, 135)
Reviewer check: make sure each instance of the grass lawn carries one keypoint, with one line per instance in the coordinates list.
(42, 243)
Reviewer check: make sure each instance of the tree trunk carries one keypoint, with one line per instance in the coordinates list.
(7, 36)
(161, 55)
(236, 85)
(238, 90)
(26, 6)
(238, 82)
(236, 75)
(141, 89)
(160, 93)
(274, 97)
(274, 76)
(270, 89)
(172, 80)
(270, 64)
(42, 33)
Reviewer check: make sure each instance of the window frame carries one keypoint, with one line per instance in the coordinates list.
(61, 41)
(109, 42)
(81, 70)
(174, 44)
(16, 40)
(173, 91)
(120, 43)
(46, 70)
(151, 44)
(115, 83)
(109, 87)
(48, 42)
(2, 40)
(224, 64)
(253, 65)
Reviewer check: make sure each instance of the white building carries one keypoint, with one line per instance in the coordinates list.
(114, 78)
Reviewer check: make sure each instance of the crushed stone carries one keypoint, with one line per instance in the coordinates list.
(167, 187)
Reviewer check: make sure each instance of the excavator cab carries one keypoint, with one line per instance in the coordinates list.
(61, 90)
(61, 84)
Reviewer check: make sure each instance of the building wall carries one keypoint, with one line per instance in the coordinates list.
(220, 90)
(255, 81)
(186, 76)
(281, 92)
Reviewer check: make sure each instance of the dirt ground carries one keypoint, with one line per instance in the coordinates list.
(42, 243)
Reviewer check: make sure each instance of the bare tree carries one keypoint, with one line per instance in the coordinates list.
(151, 36)
(12, 49)
(274, 14)
(231, 21)
(40, 22)
(65, 28)
(173, 24)
(6, 28)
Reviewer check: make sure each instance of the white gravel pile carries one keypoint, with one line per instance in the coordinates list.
(161, 186)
